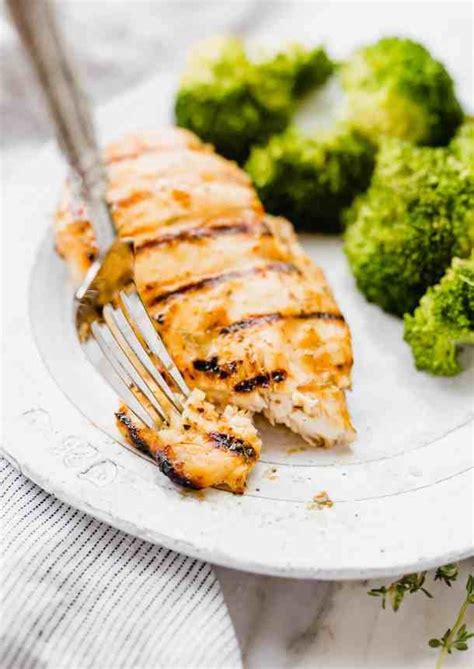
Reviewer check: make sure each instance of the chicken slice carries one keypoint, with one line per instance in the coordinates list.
(202, 447)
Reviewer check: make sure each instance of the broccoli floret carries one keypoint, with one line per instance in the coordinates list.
(462, 145)
(302, 69)
(444, 320)
(310, 179)
(415, 217)
(232, 102)
(396, 88)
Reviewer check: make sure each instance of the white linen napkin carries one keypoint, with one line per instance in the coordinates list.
(78, 594)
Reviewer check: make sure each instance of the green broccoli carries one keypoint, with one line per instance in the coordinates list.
(415, 217)
(396, 88)
(310, 179)
(444, 320)
(462, 144)
(232, 102)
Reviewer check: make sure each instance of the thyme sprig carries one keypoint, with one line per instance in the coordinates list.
(456, 638)
(397, 590)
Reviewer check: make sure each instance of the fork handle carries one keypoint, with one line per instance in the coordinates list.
(69, 110)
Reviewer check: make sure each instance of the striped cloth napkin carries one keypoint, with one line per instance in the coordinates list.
(78, 594)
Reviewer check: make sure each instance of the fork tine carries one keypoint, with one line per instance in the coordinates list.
(124, 366)
(138, 314)
(126, 338)
(100, 358)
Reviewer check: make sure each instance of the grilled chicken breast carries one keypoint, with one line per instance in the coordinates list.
(246, 315)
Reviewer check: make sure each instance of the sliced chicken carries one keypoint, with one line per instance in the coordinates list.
(202, 447)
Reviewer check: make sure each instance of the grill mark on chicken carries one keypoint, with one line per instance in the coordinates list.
(133, 433)
(233, 444)
(212, 366)
(207, 282)
(196, 234)
(321, 315)
(249, 322)
(252, 321)
(168, 469)
(260, 381)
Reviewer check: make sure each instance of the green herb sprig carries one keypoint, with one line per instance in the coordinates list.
(456, 637)
(397, 590)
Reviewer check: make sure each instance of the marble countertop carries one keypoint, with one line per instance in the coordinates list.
(280, 623)
(283, 623)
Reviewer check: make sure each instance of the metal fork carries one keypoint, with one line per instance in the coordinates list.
(112, 323)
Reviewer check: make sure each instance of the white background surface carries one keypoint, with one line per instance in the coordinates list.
(281, 623)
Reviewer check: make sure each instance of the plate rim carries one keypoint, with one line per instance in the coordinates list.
(219, 560)
(47, 156)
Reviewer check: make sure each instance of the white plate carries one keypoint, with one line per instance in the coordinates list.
(402, 495)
